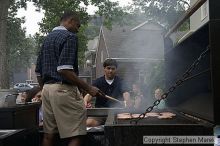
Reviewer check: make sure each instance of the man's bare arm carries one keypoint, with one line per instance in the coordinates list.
(75, 80)
(40, 81)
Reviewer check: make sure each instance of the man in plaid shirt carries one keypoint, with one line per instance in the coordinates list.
(57, 69)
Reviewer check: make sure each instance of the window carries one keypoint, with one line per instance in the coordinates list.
(204, 11)
(21, 85)
(102, 56)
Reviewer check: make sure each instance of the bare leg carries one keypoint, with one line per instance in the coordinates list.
(92, 122)
(48, 139)
(75, 141)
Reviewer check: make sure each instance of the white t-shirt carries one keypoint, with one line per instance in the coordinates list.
(110, 81)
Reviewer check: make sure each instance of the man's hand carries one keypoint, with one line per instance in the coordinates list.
(87, 100)
(93, 91)
(75, 80)
(88, 105)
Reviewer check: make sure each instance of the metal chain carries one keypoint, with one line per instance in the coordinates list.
(180, 81)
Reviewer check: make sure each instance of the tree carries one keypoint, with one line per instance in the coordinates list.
(15, 48)
(54, 9)
(166, 12)
(17, 45)
(3, 51)
(93, 27)
(21, 48)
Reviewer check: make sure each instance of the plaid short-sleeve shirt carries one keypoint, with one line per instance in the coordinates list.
(59, 51)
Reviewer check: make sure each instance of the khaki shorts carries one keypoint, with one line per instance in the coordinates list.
(63, 110)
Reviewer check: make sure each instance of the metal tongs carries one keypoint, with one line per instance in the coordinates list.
(116, 100)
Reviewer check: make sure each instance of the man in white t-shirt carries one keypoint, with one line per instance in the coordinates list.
(111, 85)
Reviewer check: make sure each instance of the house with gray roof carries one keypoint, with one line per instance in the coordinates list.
(134, 48)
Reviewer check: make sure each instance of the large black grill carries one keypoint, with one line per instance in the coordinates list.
(195, 102)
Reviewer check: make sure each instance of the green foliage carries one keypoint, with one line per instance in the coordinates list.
(92, 31)
(21, 48)
(166, 12)
(54, 9)
(93, 27)
(82, 44)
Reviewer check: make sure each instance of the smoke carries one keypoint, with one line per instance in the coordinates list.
(139, 52)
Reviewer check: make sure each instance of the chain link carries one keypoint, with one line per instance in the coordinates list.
(173, 87)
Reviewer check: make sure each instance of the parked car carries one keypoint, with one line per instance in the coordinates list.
(33, 84)
(20, 87)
